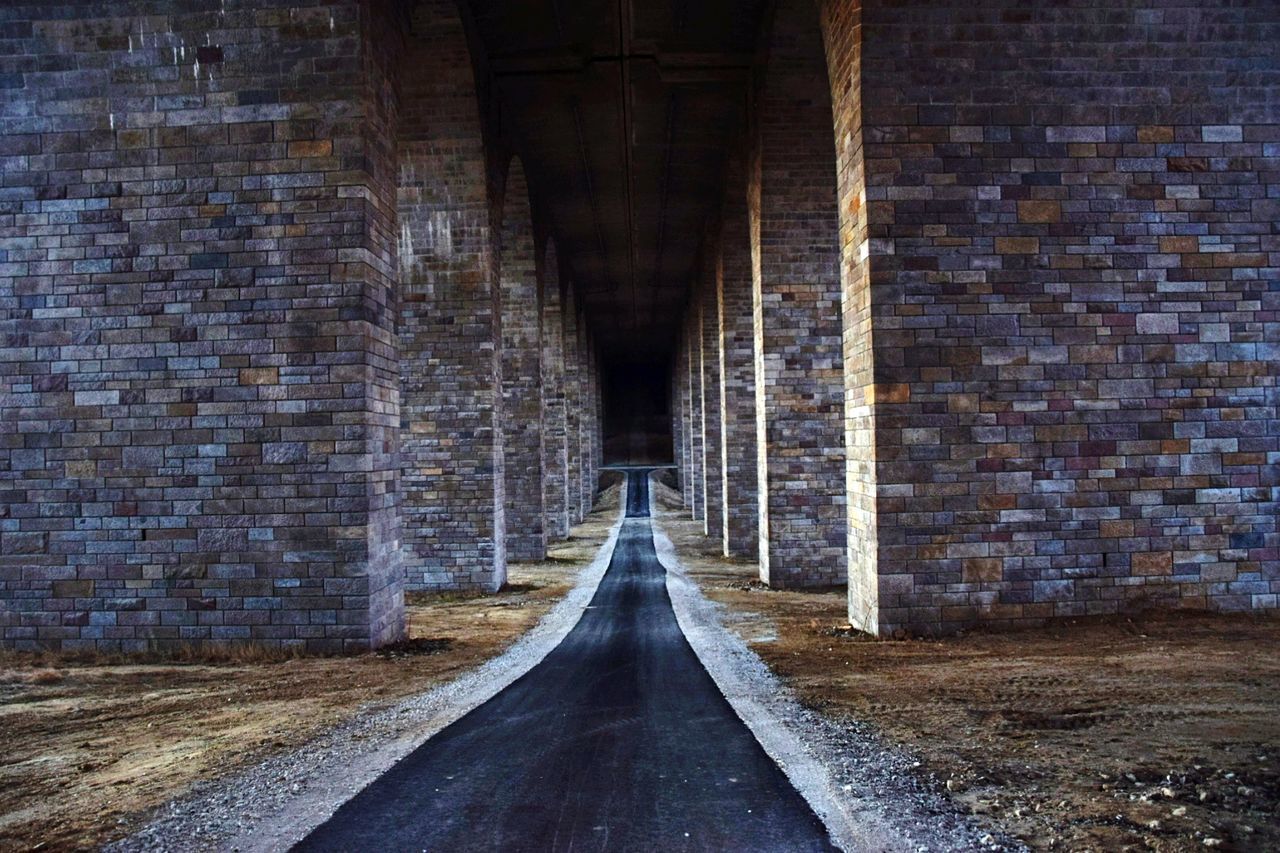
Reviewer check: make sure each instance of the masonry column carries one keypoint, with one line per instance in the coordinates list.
(451, 372)
(697, 495)
(737, 386)
(686, 477)
(585, 488)
(589, 437)
(521, 374)
(841, 26)
(555, 459)
(598, 446)
(573, 401)
(677, 418)
(709, 341)
(796, 308)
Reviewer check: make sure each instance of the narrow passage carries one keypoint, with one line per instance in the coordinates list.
(618, 740)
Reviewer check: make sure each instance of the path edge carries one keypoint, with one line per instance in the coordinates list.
(769, 709)
(323, 776)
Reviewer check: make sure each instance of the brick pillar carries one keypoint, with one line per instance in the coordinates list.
(693, 345)
(841, 27)
(585, 487)
(589, 436)
(573, 401)
(199, 402)
(597, 446)
(737, 386)
(452, 491)
(677, 420)
(796, 307)
(1073, 298)
(521, 374)
(555, 459)
(709, 351)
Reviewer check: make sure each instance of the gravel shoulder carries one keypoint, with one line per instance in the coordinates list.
(1156, 732)
(189, 751)
(865, 791)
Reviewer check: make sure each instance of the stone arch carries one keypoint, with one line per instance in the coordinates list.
(522, 434)
(795, 241)
(449, 325)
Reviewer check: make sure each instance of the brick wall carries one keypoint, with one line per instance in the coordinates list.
(697, 454)
(1073, 256)
(555, 459)
(737, 389)
(797, 330)
(841, 26)
(708, 333)
(573, 401)
(522, 439)
(196, 353)
(452, 502)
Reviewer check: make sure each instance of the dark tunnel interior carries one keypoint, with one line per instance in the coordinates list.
(637, 413)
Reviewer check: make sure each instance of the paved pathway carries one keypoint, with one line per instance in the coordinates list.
(618, 740)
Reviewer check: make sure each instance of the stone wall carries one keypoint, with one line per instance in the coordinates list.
(797, 330)
(737, 389)
(1074, 263)
(450, 320)
(522, 403)
(555, 451)
(197, 361)
(708, 333)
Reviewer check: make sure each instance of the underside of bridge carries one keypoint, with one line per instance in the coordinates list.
(973, 307)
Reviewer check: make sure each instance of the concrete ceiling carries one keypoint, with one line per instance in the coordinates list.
(622, 112)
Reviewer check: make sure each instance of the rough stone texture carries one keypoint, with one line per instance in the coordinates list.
(1074, 268)
(522, 437)
(198, 392)
(841, 26)
(697, 455)
(796, 310)
(597, 444)
(576, 505)
(709, 352)
(449, 325)
(674, 406)
(587, 485)
(555, 450)
(737, 369)
(681, 430)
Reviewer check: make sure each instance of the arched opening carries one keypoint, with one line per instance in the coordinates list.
(796, 309)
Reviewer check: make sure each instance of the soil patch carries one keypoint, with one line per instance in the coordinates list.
(88, 745)
(1159, 732)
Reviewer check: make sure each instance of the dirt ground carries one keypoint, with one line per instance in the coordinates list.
(1159, 732)
(87, 747)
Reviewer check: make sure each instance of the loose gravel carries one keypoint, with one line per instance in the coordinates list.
(276, 803)
(864, 790)
(867, 792)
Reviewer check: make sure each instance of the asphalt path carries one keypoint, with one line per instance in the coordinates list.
(617, 740)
